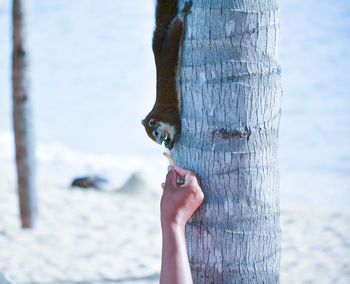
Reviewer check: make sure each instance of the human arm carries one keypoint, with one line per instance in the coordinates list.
(178, 203)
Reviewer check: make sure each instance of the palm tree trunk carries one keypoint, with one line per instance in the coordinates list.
(231, 94)
(22, 119)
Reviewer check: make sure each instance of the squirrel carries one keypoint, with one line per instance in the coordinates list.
(163, 123)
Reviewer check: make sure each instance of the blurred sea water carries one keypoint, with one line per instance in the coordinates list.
(93, 80)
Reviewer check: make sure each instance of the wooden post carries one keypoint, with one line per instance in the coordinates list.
(22, 119)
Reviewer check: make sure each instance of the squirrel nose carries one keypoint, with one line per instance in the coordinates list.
(143, 122)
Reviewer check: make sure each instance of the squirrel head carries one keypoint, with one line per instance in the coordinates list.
(160, 131)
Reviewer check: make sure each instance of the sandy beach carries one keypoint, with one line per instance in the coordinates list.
(315, 245)
(83, 236)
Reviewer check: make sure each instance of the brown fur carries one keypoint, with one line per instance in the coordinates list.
(167, 39)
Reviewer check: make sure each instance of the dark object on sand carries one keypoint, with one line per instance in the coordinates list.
(89, 182)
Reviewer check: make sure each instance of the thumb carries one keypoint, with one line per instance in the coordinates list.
(171, 178)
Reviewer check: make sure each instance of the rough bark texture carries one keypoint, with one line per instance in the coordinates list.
(230, 84)
(22, 120)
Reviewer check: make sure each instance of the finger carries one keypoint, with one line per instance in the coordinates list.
(171, 179)
(189, 173)
(191, 180)
(181, 171)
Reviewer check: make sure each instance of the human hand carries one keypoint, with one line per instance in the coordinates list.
(180, 201)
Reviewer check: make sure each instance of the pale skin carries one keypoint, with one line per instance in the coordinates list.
(178, 203)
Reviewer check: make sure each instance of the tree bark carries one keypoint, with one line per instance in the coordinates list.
(231, 94)
(22, 119)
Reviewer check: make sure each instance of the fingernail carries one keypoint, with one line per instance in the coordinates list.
(170, 168)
